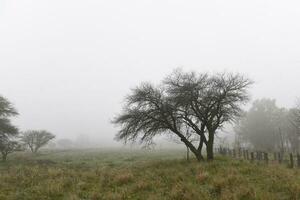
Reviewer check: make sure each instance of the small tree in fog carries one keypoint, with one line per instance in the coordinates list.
(7, 146)
(295, 116)
(7, 131)
(203, 102)
(65, 143)
(294, 128)
(35, 139)
(82, 141)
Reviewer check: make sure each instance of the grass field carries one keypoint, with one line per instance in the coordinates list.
(130, 174)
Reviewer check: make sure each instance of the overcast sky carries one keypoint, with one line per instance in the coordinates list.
(67, 64)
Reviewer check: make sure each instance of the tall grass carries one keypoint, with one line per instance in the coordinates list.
(113, 175)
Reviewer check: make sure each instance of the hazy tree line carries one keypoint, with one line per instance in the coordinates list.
(267, 127)
(11, 139)
(189, 107)
(82, 141)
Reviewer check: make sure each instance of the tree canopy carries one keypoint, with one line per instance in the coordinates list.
(35, 139)
(204, 102)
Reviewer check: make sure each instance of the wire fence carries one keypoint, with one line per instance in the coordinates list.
(290, 159)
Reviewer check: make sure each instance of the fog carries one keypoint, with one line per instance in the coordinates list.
(67, 65)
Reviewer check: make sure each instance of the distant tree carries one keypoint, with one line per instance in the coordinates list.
(265, 126)
(65, 143)
(294, 127)
(295, 116)
(35, 139)
(203, 102)
(222, 141)
(293, 132)
(51, 145)
(7, 130)
(7, 146)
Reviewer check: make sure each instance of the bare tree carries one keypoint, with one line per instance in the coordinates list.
(203, 102)
(206, 102)
(36, 139)
(147, 113)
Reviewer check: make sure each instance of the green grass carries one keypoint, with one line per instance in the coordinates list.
(124, 174)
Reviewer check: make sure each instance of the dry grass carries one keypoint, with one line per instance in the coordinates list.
(136, 178)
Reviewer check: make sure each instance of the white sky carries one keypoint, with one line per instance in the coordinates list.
(67, 64)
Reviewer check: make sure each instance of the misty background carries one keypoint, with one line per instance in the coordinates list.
(67, 65)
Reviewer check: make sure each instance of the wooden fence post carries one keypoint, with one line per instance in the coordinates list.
(291, 160)
(234, 153)
(266, 157)
(258, 155)
(252, 156)
(279, 158)
(298, 160)
(275, 156)
(247, 154)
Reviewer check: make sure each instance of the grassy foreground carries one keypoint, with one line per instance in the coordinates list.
(124, 174)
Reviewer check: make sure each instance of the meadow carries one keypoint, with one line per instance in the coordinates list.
(116, 174)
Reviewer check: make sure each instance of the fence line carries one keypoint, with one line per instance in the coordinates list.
(293, 160)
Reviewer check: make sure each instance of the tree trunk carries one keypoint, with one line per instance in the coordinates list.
(196, 152)
(210, 146)
(200, 156)
(187, 154)
(31, 149)
(189, 145)
(4, 157)
(36, 150)
(210, 151)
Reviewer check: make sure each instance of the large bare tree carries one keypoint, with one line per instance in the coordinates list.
(203, 102)
(206, 102)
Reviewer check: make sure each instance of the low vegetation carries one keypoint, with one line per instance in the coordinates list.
(128, 174)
